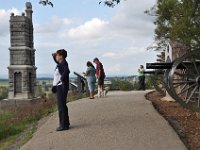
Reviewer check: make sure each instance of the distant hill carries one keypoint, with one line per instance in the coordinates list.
(44, 78)
(3, 80)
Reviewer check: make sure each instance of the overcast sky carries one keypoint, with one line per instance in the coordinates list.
(118, 36)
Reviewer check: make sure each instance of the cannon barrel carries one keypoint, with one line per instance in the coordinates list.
(183, 65)
(159, 65)
(149, 72)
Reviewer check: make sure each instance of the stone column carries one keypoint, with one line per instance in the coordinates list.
(22, 70)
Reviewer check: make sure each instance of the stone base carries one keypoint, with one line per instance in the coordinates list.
(18, 103)
(168, 99)
(197, 115)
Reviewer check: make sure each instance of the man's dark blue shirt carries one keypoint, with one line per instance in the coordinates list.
(63, 69)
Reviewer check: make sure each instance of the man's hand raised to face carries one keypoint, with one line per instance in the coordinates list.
(54, 54)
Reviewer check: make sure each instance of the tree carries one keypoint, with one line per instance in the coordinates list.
(109, 3)
(177, 21)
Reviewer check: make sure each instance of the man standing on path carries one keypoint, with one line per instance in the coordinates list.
(141, 78)
(61, 83)
(100, 74)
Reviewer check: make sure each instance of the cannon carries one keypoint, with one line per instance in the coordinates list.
(181, 79)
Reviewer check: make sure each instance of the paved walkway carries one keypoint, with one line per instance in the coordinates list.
(121, 121)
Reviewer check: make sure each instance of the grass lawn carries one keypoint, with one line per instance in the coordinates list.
(17, 125)
(4, 84)
(10, 133)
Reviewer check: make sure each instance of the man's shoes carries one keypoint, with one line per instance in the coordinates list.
(62, 129)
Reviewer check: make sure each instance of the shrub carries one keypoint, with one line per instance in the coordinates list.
(121, 85)
(3, 92)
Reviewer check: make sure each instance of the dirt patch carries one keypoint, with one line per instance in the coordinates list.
(185, 122)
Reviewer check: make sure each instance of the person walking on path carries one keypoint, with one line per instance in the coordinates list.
(100, 74)
(141, 78)
(91, 78)
(61, 87)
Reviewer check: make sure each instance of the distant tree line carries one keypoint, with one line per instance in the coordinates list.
(124, 85)
(121, 85)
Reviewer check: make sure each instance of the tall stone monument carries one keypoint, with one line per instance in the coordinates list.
(22, 70)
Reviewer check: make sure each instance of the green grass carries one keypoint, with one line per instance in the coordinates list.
(23, 123)
(10, 133)
(4, 84)
(11, 126)
(6, 142)
(14, 132)
(29, 134)
(4, 139)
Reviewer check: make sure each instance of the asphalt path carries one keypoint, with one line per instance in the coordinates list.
(120, 121)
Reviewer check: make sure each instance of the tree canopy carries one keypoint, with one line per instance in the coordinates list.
(177, 21)
(109, 3)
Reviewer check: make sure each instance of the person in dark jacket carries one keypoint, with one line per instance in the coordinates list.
(61, 81)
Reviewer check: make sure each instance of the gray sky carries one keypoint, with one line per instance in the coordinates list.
(119, 36)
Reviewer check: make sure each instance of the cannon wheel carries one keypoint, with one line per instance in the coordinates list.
(167, 85)
(185, 82)
(158, 82)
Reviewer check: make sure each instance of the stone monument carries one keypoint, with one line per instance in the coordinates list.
(22, 69)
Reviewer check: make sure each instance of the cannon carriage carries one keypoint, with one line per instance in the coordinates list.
(180, 79)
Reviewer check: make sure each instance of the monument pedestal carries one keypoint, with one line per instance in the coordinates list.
(168, 98)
